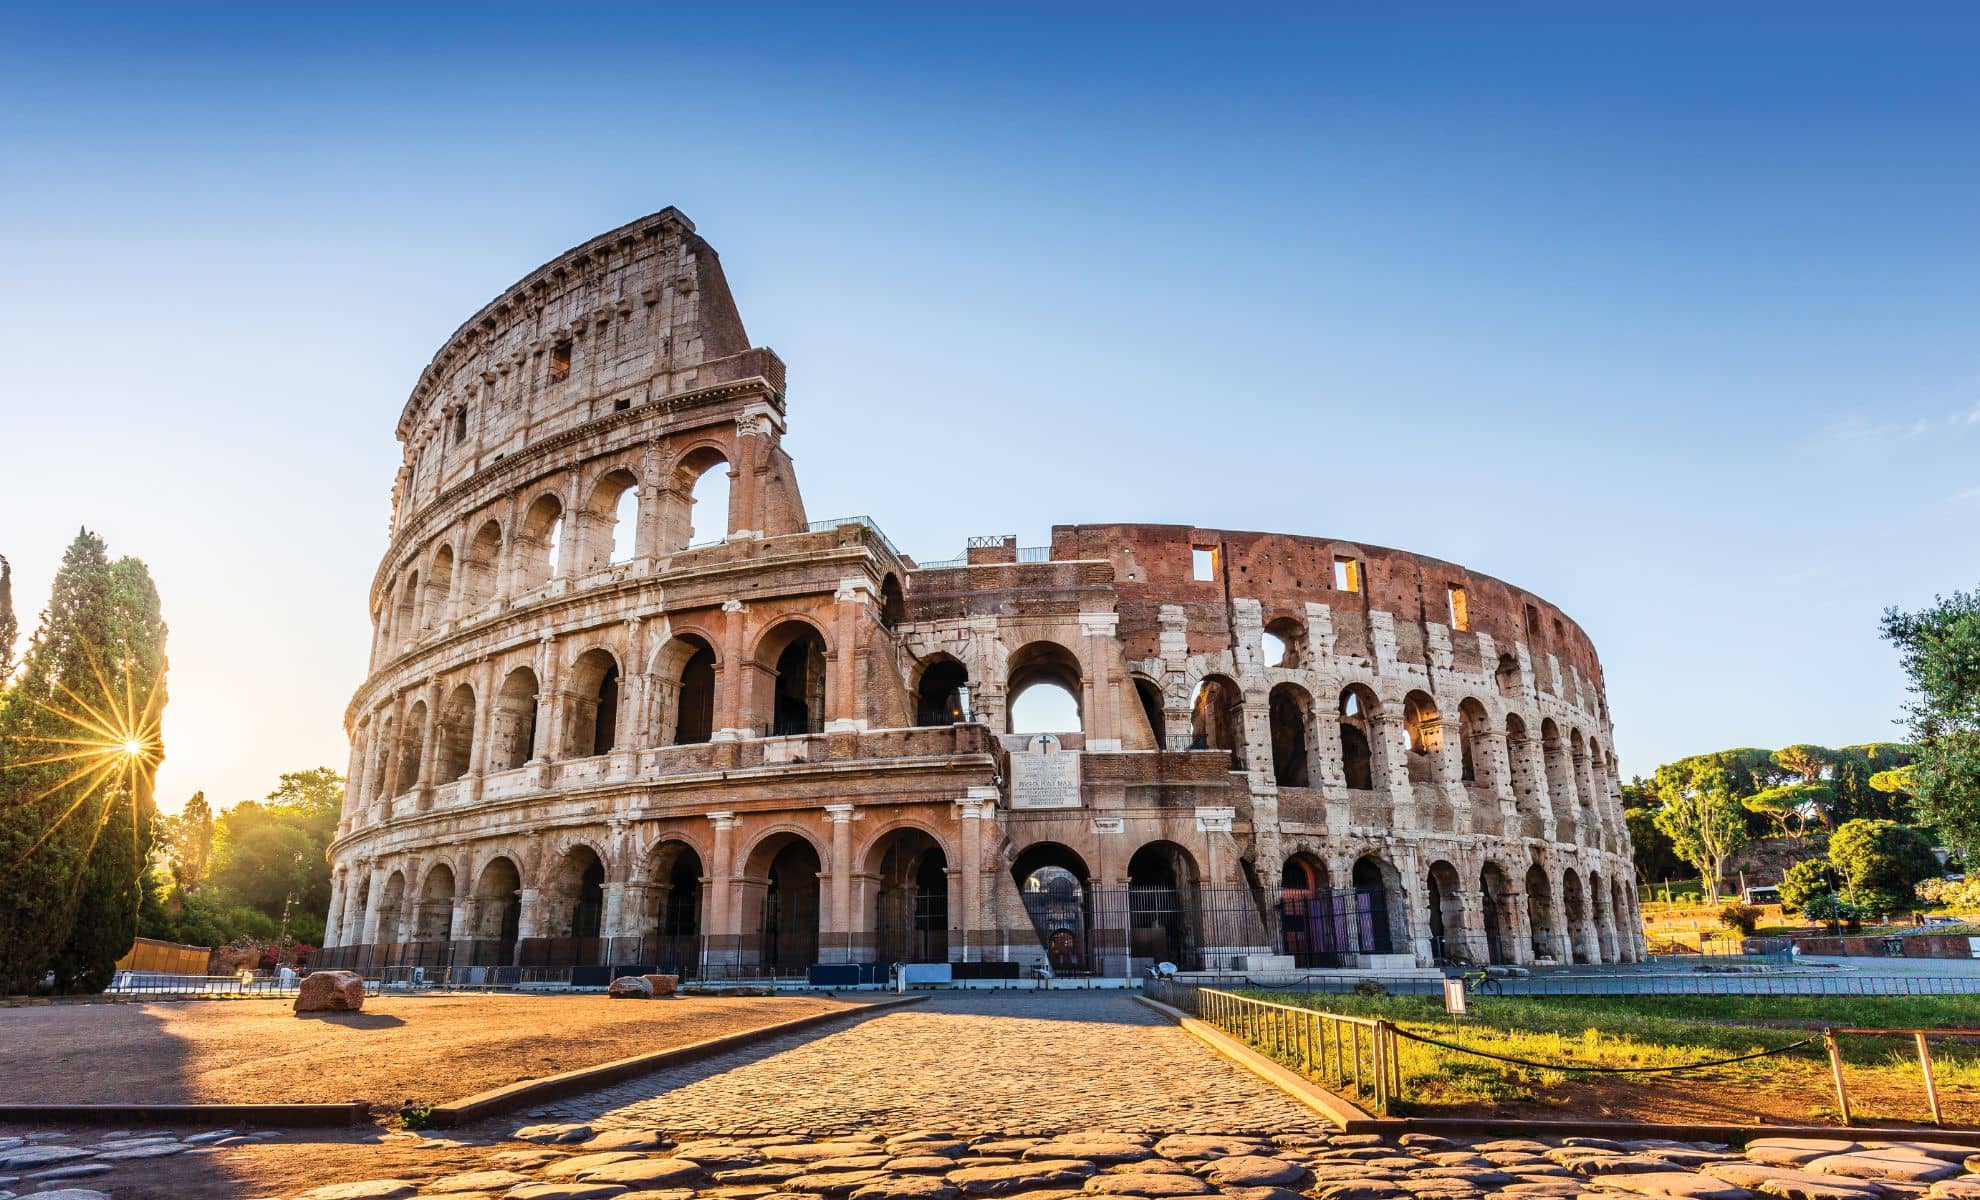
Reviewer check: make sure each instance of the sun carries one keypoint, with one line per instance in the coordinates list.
(114, 743)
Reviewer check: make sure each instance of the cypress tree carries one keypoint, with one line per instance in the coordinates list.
(10, 628)
(64, 792)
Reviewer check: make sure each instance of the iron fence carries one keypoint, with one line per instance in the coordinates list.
(1347, 1054)
(1756, 982)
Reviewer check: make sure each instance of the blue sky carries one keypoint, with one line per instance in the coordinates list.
(1666, 312)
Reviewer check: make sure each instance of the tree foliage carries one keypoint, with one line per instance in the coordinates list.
(1655, 857)
(1788, 805)
(1701, 815)
(74, 830)
(1880, 863)
(1939, 647)
(1804, 881)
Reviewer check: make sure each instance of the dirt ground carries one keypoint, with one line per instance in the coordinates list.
(400, 1049)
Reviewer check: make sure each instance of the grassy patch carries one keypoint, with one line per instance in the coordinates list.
(1564, 1033)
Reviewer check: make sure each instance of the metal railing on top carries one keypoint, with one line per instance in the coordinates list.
(1354, 1055)
(833, 523)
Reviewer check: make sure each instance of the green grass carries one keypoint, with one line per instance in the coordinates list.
(1646, 1031)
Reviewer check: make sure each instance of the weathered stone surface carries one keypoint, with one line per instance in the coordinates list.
(908, 1187)
(630, 987)
(645, 1173)
(765, 1173)
(920, 1164)
(1022, 1177)
(1793, 1152)
(473, 1181)
(364, 1189)
(1148, 1184)
(71, 1194)
(833, 1183)
(1369, 1189)
(1255, 1170)
(1901, 1166)
(564, 1189)
(1679, 1185)
(127, 1153)
(663, 985)
(1966, 1187)
(1949, 1151)
(812, 1152)
(74, 1170)
(1103, 1152)
(1789, 1183)
(552, 1134)
(39, 1156)
(627, 1139)
(719, 1155)
(330, 991)
(1185, 1147)
(578, 1164)
(853, 1162)
(523, 1160)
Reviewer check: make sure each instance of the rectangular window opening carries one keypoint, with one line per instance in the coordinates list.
(1204, 561)
(560, 361)
(460, 425)
(1347, 575)
(1532, 621)
(1460, 609)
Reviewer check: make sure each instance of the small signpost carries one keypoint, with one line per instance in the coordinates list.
(1454, 997)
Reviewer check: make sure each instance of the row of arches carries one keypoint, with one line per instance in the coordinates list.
(616, 520)
(568, 910)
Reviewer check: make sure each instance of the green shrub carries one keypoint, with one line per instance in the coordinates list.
(1743, 917)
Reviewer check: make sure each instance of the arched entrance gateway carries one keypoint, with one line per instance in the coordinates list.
(497, 914)
(1313, 923)
(910, 898)
(780, 904)
(1164, 909)
(1053, 885)
(673, 939)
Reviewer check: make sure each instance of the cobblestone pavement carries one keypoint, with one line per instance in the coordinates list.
(576, 1162)
(964, 1062)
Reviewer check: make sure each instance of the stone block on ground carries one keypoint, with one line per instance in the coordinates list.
(552, 1134)
(645, 1173)
(1022, 1177)
(1788, 1183)
(630, 987)
(1677, 1185)
(330, 991)
(364, 1189)
(663, 985)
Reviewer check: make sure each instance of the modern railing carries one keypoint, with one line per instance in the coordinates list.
(1352, 1055)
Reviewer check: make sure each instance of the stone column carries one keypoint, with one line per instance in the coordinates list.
(1100, 707)
(719, 938)
(972, 811)
(333, 923)
(1390, 749)
(732, 684)
(1518, 928)
(484, 718)
(839, 921)
(842, 688)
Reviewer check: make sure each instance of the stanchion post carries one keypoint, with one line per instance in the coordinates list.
(1835, 1070)
(1931, 1089)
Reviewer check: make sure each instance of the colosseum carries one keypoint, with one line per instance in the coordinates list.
(629, 704)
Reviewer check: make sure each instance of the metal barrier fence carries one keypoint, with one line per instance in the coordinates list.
(1354, 1055)
(1755, 982)
(159, 985)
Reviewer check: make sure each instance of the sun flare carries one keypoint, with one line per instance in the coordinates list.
(114, 744)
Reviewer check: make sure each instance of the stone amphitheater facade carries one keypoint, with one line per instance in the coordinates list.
(588, 738)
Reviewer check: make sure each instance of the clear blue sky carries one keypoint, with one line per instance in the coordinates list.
(1668, 313)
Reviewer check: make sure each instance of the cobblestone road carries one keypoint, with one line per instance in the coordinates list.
(965, 1062)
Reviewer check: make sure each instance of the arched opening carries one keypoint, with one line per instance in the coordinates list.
(456, 744)
(1163, 906)
(514, 730)
(911, 898)
(436, 906)
(1358, 709)
(594, 693)
(498, 916)
(405, 624)
(1540, 914)
(1560, 780)
(1425, 728)
(1374, 921)
(574, 905)
(539, 542)
(478, 569)
(784, 876)
(1494, 892)
(1578, 763)
(1576, 910)
(1043, 688)
(1150, 696)
(797, 682)
(1446, 908)
(1525, 779)
(438, 580)
(412, 741)
(1472, 725)
(611, 519)
(674, 943)
(941, 696)
(1284, 641)
(694, 715)
(1312, 926)
(705, 482)
(1625, 921)
(1216, 716)
(1507, 676)
(1053, 884)
(391, 910)
(1289, 708)
(893, 605)
(1604, 917)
